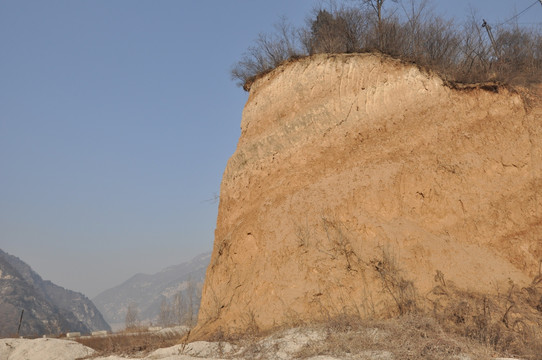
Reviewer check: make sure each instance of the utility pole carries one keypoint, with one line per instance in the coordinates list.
(20, 321)
(491, 38)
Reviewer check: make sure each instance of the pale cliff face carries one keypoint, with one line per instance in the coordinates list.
(347, 162)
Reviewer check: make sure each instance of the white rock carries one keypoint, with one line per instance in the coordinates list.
(204, 349)
(42, 349)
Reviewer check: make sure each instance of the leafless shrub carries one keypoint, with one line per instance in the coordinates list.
(402, 291)
(327, 34)
(406, 337)
(458, 53)
(166, 315)
(340, 243)
(342, 30)
(508, 322)
(356, 25)
(461, 322)
(303, 235)
(518, 54)
(269, 51)
(251, 325)
(473, 64)
(132, 317)
(182, 309)
(440, 44)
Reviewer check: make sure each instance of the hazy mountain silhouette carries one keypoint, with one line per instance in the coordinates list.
(48, 308)
(148, 291)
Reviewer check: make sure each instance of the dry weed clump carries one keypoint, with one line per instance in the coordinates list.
(509, 321)
(404, 337)
(402, 291)
(443, 324)
(130, 342)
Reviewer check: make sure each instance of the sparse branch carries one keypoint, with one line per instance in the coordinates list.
(132, 317)
(460, 54)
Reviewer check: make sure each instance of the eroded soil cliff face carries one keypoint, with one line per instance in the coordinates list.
(356, 172)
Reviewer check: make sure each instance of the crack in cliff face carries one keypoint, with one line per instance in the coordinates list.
(444, 179)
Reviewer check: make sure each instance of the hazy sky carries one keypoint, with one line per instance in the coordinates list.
(116, 122)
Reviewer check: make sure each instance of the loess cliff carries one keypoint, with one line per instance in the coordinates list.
(353, 171)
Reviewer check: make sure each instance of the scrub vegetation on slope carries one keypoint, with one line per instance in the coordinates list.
(459, 52)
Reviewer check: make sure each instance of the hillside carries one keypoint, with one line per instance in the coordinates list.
(148, 291)
(49, 308)
(360, 184)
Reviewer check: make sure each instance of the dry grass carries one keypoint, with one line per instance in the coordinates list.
(405, 337)
(445, 324)
(139, 341)
(442, 325)
(509, 321)
(459, 325)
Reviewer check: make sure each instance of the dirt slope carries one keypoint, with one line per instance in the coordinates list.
(354, 169)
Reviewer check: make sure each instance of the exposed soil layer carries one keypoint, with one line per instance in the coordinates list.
(359, 181)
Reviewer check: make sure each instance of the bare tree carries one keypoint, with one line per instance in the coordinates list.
(191, 299)
(327, 33)
(178, 308)
(184, 305)
(132, 317)
(355, 25)
(165, 317)
(415, 13)
(474, 63)
(377, 6)
(459, 54)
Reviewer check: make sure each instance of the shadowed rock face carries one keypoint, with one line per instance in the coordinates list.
(351, 167)
(48, 308)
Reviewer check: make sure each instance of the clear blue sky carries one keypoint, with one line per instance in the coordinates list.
(116, 122)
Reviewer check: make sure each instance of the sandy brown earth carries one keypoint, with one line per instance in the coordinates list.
(354, 170)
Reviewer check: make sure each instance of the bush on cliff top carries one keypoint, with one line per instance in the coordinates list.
(459, 53)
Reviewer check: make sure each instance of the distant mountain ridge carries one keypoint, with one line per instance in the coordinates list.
(148, 291)
(48, 308)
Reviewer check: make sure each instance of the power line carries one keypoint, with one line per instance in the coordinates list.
(520, 13)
